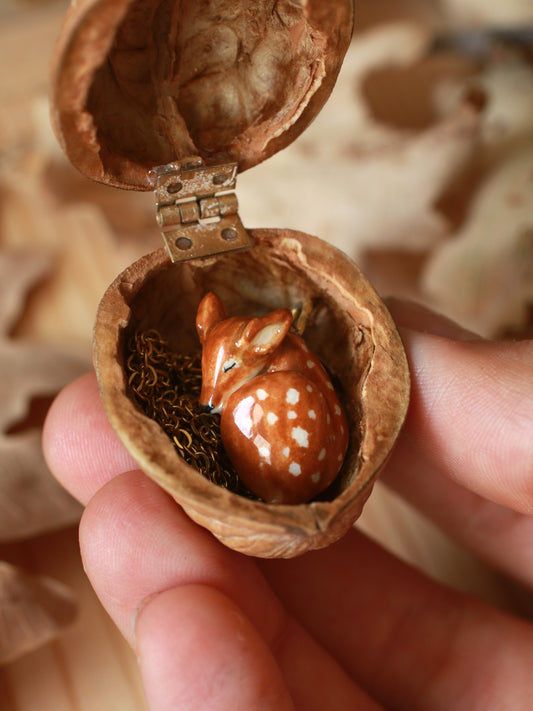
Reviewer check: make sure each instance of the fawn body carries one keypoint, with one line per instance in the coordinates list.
(281, 422)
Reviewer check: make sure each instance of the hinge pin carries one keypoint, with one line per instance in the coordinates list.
(197, 210)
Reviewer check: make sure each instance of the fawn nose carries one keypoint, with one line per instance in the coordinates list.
(207, 408)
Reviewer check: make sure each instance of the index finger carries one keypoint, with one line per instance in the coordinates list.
(80, 446)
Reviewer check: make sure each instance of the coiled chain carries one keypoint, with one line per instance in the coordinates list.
(166, 386)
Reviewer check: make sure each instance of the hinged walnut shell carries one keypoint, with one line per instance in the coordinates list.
(140, 83)
(350, 330)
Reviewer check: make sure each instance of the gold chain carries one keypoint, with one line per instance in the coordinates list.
(166, 386)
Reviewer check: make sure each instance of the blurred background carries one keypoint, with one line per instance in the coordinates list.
(420, 167)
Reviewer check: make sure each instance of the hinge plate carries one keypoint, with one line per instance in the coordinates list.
(196, 210)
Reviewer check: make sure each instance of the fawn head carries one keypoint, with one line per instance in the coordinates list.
(234, 350)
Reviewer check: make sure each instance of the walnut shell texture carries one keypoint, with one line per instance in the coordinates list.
(349, 329)
(141, 83)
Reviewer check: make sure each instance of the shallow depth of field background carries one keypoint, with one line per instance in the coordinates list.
(420, 168)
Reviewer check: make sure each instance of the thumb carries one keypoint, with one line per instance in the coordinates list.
(182, 625)
(471, 413)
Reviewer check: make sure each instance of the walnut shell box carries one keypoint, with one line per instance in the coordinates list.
(208, 89)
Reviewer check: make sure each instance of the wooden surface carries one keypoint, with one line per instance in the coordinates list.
(92, 235)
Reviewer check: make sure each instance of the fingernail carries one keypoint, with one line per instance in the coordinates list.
(136, 613)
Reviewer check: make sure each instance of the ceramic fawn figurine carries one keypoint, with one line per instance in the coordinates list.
(281, 422)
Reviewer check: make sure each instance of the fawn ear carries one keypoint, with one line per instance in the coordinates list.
(210, 312)
(266, 333)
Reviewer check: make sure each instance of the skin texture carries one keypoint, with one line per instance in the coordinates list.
(347, 627)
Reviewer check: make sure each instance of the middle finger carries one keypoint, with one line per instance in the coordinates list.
(412, 643)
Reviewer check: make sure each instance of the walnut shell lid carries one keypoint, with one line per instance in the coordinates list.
(349, 329)
(141, 83)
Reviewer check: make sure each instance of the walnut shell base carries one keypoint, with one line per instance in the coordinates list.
(349, 329)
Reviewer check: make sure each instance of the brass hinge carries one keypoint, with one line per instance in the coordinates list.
(197, 210)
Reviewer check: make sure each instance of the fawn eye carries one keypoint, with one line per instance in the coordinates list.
(228, 365)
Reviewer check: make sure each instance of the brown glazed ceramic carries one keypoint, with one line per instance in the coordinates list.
(282, 424)
(143, 83)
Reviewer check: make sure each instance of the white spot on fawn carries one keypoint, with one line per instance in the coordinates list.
(310, 364)
(330, 386)
(292, 415)
(337, 410)
(321, 455)
(309, 388)
(301, 436)
(315, 478)
(312, 414)
(285, 451)
(272, 418)
(295, 469)
(262, 394)
(292, 396)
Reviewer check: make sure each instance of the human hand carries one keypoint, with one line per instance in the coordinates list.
(347, 627)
